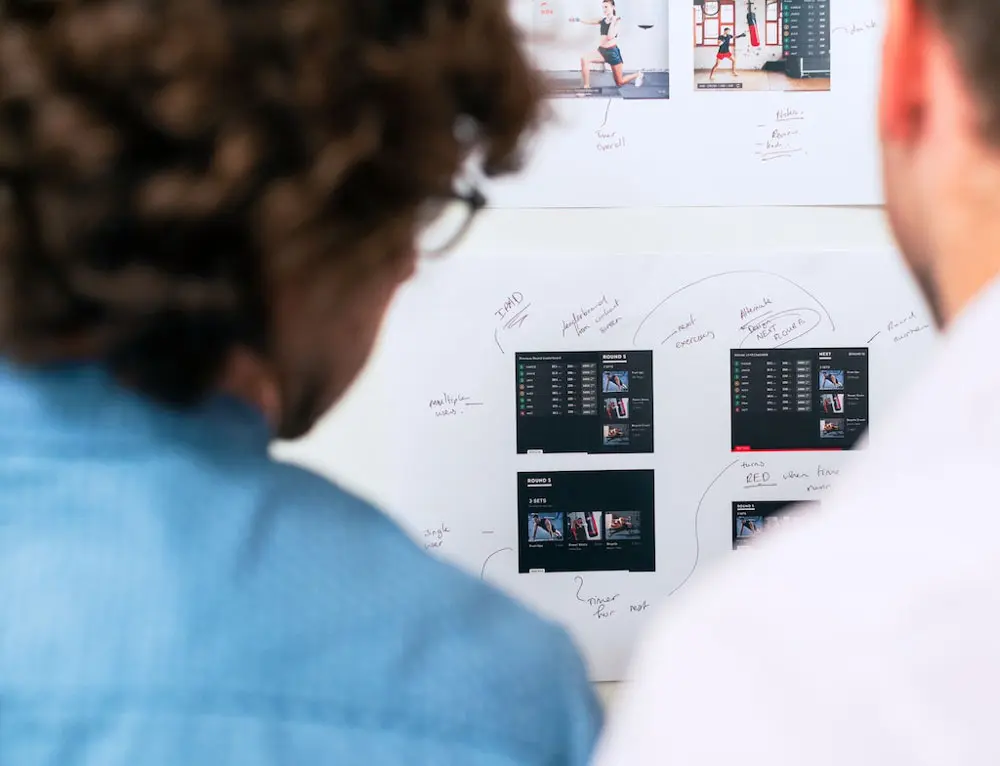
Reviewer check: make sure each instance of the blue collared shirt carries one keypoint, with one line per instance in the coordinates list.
(169, 595)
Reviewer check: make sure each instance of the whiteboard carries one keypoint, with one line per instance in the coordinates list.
(452, 482)
(752, 138)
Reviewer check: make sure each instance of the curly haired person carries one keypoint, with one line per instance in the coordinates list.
(205, 209)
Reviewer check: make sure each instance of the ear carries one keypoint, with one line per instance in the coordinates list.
(905, 48)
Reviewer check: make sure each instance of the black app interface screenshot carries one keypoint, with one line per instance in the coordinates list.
(798, 399)
(598, 402)
(585, 521)
(752, 518)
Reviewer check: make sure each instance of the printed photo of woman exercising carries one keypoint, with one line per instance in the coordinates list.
(608, 52)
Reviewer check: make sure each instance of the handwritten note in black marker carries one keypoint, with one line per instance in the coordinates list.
(689, 333)
(434, 538)
(782, 137)
(608, 138)
(601, 316)
(867, 26)
(906, 327)
(903, 328)
(511, 315)
(449, 405)
(768, 310)
(604, 606)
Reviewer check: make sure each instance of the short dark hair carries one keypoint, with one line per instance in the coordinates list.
(973, 26)
(165, 164)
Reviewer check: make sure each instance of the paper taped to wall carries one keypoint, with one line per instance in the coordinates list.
(591, 434)
(669, 102)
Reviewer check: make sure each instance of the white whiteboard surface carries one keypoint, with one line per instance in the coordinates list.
(766, 144)
(385, 442)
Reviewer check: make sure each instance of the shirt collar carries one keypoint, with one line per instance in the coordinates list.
(83, 403)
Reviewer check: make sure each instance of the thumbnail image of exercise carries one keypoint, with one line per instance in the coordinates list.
(616, 409)
(611, 49)
(622, 526)
(753, 518)
(786, 49)
(832, 403)
(832, 428)
(831, 380)
(748, 526)
(614, 382)
(545, 527)
(615, 435)
(585, 527)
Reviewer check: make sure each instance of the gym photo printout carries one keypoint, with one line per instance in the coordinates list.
(761, 45)
(599, 48)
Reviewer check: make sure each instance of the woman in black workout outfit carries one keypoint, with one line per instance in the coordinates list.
(608, 51)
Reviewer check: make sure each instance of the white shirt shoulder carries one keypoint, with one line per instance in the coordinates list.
(865, 634)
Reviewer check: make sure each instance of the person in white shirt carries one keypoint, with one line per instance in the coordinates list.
(871, 635)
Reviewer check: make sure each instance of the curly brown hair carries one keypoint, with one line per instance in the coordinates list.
(165, 164)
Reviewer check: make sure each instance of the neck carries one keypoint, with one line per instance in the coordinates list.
(247, 378)
(968, 243)
(960, 280)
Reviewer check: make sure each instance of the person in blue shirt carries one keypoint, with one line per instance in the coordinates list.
(205, 209)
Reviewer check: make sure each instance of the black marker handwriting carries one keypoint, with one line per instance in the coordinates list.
(510, 321)
(449, 405)
(607, 139)
(694, 340)
(602, 604)
(857, 28)
(755, 308)
(652, 314)
(911, 332)
(783, 327)
(780, 140)
(908, 326)
(434, 538)
(580, 322)
(786, 115)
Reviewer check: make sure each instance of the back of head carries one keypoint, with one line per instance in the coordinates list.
(940, 124)
(971, 27)
(180, 179)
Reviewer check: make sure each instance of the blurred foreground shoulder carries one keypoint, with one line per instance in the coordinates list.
(476, 664)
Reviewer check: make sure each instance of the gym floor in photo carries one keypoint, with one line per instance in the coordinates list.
(757, 80)
(568, 84)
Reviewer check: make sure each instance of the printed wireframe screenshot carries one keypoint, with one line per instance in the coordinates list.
(798, 399)
(598, 402)
(751, 518)
(586, 521)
